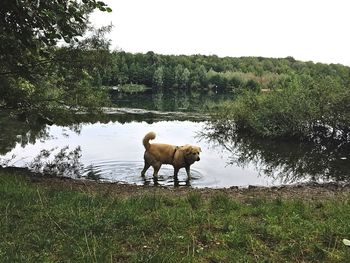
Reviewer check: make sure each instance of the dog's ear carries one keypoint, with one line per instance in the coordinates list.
(187, 148)
(199, 149)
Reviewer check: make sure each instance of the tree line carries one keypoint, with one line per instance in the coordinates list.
(38, 74)
(203, 72)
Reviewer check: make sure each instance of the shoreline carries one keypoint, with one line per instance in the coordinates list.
(304, 191)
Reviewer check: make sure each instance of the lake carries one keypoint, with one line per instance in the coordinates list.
(111, 150)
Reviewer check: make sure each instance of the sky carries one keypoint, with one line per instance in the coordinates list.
(308, 30)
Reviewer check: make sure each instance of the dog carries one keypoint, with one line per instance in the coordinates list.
(157, 154)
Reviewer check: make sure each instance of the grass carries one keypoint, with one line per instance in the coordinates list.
(133, 88)
(52, 224)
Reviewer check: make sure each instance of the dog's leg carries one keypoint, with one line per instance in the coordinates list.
(176, 171)
(188, 173)
(145, 168)
(156, 168)
(176, 180)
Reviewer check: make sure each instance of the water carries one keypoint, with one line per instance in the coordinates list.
(183, 100)
(112, 150)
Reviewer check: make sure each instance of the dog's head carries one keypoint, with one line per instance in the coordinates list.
(191, 153)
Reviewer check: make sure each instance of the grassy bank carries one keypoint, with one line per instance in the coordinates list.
(64, 221)
(133, 88)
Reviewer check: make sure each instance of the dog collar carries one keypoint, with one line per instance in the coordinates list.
(176, 147)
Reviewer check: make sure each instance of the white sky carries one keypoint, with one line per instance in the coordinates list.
(316, 30)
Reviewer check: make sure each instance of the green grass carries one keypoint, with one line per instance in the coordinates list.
(52, 224)
(133, 88)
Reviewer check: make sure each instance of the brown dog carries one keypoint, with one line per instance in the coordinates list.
(178, 156)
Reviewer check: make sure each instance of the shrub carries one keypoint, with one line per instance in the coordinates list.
(306, 107)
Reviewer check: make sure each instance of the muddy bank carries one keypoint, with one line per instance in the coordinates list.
(312, 192)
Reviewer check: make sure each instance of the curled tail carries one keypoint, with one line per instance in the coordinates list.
(148, 136)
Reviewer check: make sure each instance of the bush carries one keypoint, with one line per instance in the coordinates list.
(305, 108)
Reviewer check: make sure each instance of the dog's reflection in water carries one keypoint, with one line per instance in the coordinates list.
(172, 180)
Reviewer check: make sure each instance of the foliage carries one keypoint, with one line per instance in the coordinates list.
(30, 27)
(38, 76)
(44, 223)
(226, 74)
(307, 107)
(63, 163)
(34, 76)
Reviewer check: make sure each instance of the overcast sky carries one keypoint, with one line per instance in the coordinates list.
(316, 30)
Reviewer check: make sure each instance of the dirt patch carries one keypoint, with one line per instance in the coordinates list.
(311, 192)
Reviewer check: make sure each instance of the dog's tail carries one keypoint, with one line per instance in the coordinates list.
(148, 136)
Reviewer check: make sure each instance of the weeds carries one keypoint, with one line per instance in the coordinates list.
(44, 225)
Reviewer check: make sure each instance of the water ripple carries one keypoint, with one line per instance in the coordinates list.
(130, 172)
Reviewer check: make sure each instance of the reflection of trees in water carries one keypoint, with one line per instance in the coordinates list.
(158, 100)
(169, 99)
(288, 161)
(14, 131)
(64, 163)
(92, 173)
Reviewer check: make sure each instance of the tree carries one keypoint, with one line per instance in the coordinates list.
(178, 71)
(29, 33)
(185, 78)
(182, 76)
(158, 78)
(202, 76)
(28, 27)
